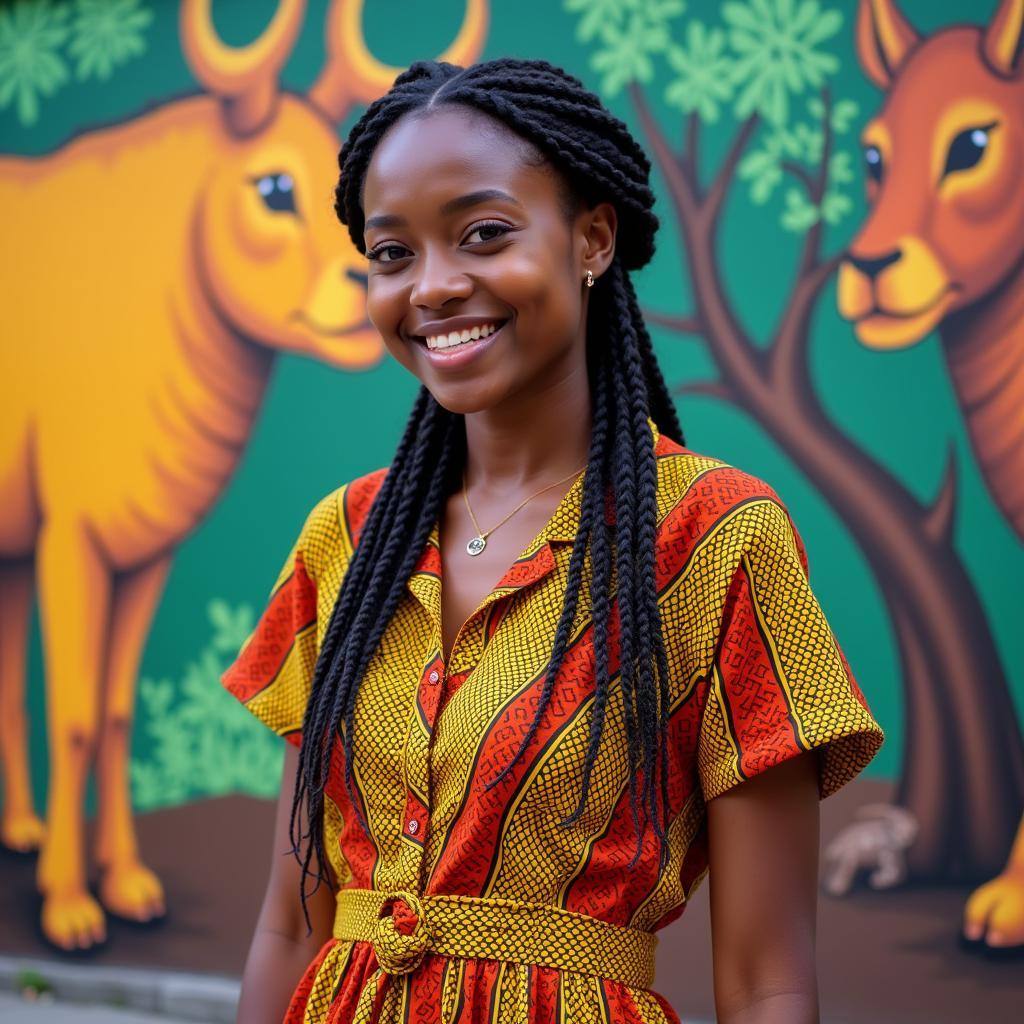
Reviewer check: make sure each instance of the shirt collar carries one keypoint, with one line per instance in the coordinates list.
(565, 520)
(534, 563)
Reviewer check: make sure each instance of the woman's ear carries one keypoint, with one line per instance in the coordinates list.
(597, 228)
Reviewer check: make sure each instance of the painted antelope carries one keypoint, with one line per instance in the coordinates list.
(161, 265)
(943, 247)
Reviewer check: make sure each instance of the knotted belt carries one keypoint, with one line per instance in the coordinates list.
(403, 927)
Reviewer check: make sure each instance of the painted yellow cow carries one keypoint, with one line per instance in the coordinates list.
(160, 266)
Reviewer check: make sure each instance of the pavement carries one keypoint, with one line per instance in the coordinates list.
(15, 1010)
(38, 991)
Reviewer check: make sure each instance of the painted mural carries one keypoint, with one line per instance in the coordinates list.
(203, 260)
(943, 247)
(838, 182)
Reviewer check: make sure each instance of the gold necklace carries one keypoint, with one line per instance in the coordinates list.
(479, 542)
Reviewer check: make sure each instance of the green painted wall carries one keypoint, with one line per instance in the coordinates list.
(320, 427)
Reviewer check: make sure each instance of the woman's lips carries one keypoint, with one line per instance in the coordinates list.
(459, 355)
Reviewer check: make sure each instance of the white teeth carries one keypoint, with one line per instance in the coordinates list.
(460, 337)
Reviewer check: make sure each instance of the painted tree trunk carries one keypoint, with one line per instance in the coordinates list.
(963, 759)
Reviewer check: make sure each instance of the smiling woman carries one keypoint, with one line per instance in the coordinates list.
(520, 748)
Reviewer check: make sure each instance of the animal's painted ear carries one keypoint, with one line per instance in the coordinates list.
(244, 78)
(884, 38)
(1004, 36)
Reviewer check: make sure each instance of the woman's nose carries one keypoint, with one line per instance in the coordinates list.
(437, 280)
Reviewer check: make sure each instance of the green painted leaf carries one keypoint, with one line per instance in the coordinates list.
(799, 213)
(702, 79)
(195, 739)
(107, 33)
(31, 34)
(776, 43)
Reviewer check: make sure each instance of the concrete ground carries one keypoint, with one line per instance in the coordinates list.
(15, 1010)
(91, 994)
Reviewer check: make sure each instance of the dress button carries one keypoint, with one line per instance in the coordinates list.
(414, 827)
(433, 677)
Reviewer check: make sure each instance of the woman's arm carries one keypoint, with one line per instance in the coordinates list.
(281, 950)
(763, 857)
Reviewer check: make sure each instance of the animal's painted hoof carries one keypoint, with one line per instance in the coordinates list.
(994, 915)
(23, 833)
(73, 920)
(132, 891)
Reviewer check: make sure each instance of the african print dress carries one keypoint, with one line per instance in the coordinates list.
(467, 903)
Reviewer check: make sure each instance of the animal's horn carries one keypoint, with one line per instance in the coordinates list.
(884, 37)
(1001, 44)
(246, 77)
(352, 74)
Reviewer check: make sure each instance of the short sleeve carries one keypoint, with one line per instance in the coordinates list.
(273, 672)
(779, 684)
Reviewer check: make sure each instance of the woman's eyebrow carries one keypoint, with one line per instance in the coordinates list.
(386, 220)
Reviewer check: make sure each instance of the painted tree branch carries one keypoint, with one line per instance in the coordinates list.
(801, 174)
(712, 204)
(691, 153)
(734, 349)
(706, 389)
(682, 324)
(788, 350)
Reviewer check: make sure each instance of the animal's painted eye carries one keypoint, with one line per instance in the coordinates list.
(277, 191)
(873, 162)
(967, 149)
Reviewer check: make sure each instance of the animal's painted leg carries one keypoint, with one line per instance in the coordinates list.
(127, 887)
(995, 911)
(20, 827)
(74, 601)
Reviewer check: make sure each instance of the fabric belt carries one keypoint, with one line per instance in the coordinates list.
(403, 927)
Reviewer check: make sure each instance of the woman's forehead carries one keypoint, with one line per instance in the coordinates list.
(428, 158)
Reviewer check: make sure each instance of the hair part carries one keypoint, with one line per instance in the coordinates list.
(598, 160)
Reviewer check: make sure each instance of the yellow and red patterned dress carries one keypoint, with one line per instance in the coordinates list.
(469, 904)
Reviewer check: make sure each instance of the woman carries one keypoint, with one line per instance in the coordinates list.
(509, 780)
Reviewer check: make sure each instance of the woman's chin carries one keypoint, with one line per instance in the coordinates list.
(468, 397)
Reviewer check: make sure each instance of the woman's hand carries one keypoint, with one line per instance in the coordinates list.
(763, 857)
(281, 950)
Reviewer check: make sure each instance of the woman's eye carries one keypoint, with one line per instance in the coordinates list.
(386, 253)
(488, 232)
(967, 149)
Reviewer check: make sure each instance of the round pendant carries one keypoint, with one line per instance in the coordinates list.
(476, 545)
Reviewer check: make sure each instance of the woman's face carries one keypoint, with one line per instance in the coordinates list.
(465, 233)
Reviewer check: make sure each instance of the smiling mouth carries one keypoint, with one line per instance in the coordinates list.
(456, 340)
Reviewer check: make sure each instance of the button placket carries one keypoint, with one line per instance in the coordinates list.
(438, 683)
(415, 821)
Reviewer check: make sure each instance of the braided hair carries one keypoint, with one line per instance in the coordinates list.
(597, 160)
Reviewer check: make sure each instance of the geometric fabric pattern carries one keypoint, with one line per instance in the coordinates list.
(756, 677)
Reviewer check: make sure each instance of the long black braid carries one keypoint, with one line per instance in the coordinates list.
(597, 160)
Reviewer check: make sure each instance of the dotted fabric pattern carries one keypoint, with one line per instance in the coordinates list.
(756, 677)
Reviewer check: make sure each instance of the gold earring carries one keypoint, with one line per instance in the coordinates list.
(590, 279)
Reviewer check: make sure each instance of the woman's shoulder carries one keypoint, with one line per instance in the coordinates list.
(704, 496)
(332, 527)
(682, 471)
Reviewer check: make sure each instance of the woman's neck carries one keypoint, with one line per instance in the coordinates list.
(531, 439)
